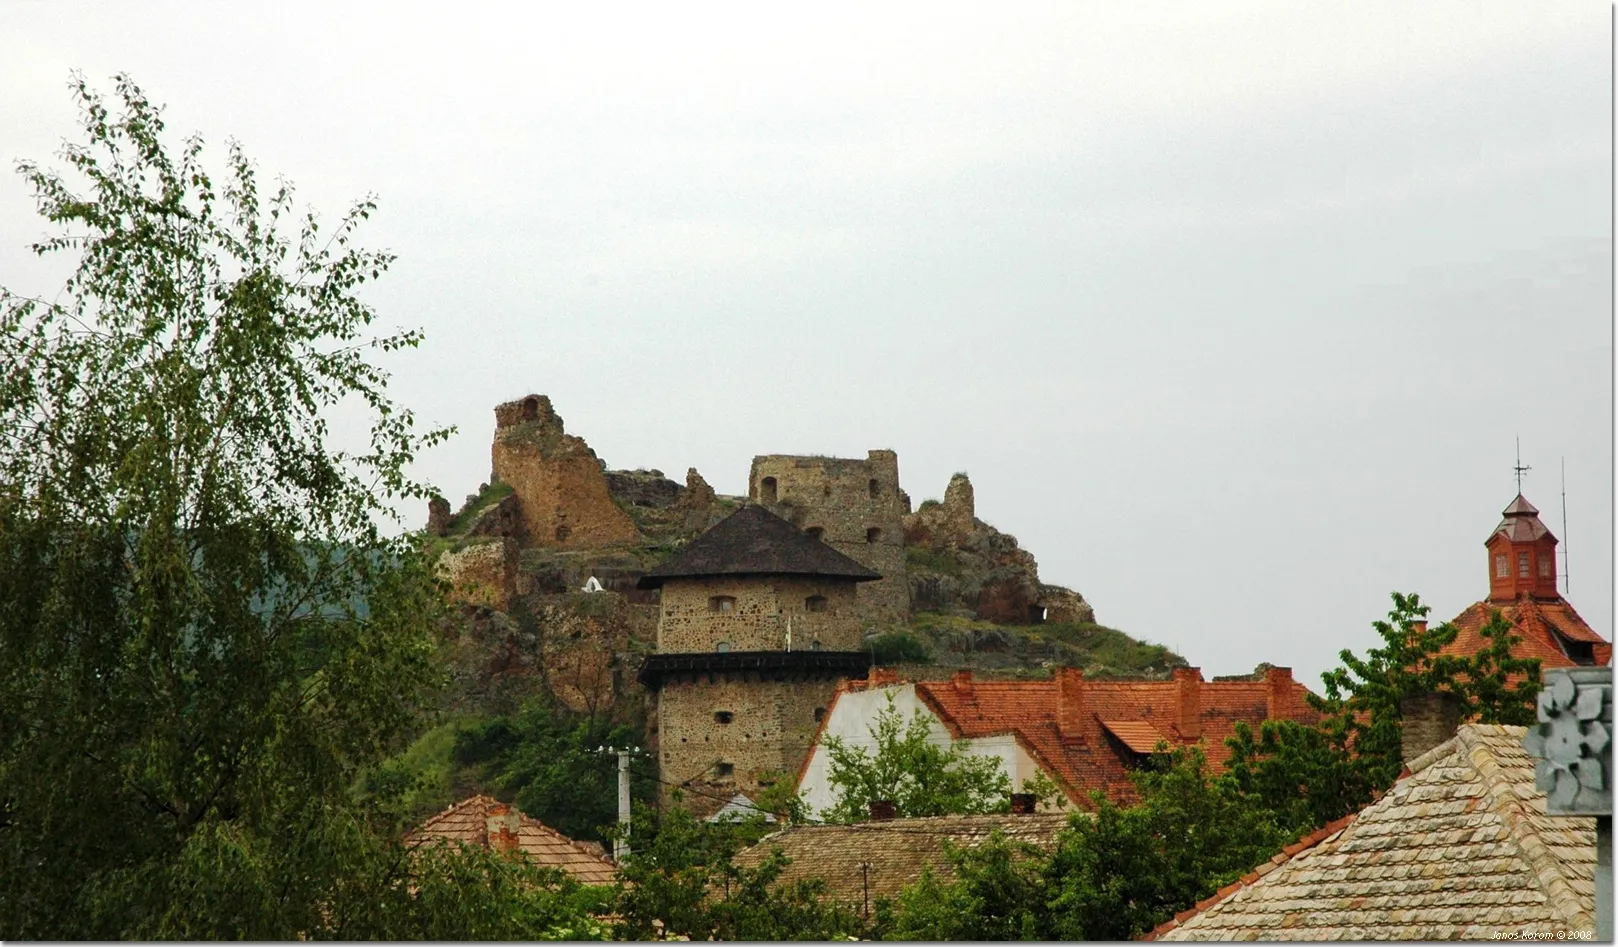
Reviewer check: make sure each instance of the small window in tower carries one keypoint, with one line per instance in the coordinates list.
(815, 532)
(876, 487)
(723, 716)
(1500, 571)
(873, 535)
(1522, 565)
(722, 603)
(1544, 567)
(766, 490)
(814, 603)
(815, 645)
(724, 769)
(820, 714)
(722, 647)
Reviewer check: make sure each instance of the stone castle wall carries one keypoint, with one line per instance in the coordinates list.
(771, 726)
(857, 507)
(759, 614)
(557, 479)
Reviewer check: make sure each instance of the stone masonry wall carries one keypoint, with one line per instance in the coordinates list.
(859, 509)
(758, 618)
(771, 726)
(557, 479)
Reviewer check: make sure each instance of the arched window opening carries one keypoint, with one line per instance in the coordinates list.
(530, 408)
(766, 490)
(815, 645)
(724, 604)
(814, 603)
(722, 647)
(873, 535)
(817, 533)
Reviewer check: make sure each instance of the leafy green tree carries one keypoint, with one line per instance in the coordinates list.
(548, 760)
(997, 893)
(205, 637)
(1311, 775)
(907, 769)
(681, 880)
(900, 647)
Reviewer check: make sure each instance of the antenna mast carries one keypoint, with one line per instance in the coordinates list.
(1565, 585)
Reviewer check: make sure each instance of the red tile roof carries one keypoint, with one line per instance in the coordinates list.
(473, 820)
(1090, 755)
(1538, 622)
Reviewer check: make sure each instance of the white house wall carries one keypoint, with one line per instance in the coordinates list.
(855, 713)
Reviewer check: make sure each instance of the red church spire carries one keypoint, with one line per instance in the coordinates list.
(1522, 556)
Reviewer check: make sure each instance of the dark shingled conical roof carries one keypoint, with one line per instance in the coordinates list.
(754, 541)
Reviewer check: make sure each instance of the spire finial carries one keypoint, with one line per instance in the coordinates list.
(1520, 469)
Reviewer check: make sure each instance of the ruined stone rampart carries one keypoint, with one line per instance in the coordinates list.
(855, 506)
(557, 479)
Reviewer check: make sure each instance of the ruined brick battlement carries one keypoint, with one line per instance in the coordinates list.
(557, 479)
(854, 506)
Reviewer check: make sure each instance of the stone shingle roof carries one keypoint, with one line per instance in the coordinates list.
(754, 541)
(1538, 622)
(470, 820)
(1460, 849)
(893, 853)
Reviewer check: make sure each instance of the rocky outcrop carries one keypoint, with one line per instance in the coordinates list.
(645, 488)
(696, 504)
(483, 573)
(558, 481)
(502, 519)
(959, 563)
(438, 516)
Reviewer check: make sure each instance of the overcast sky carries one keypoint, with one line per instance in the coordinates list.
(1231, 311)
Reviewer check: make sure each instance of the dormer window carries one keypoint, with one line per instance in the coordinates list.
(814, 603)
(1522, 565)
(724, 604)
(1500, 569)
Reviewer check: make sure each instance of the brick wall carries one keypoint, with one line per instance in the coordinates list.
(771, 727)
(758, 617)
(859, 509)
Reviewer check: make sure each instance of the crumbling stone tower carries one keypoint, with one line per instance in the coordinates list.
(854, 506)
(758, 624)
(557, 479)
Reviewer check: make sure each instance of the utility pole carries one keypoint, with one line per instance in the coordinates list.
(620, 845)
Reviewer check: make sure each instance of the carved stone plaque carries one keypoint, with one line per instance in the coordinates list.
(1573, 741)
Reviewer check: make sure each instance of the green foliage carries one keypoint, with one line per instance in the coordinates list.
(1045, 790)
(423, 777)
(681, 880)
(546, 759)
(899, 647)
(205, 640)
(1312, 775)
(920, 778)
(923, 559)
(998, 893)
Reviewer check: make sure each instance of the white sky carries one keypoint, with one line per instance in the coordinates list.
(1231, 311)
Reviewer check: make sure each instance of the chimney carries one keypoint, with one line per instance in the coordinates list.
(1022, 803)
(884, 810)
(1278, 703)
(1427, 719)
(1419, 626)
(1070, 702)
(502, 828)
(963, 682)
(1188, 703)
(880, 676)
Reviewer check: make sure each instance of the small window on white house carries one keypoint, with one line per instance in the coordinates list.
(1522, 565)
(1544, 567)
(722, 603)
(1500, 570)
(814, 603)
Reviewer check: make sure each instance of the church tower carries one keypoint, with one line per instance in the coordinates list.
(758, 623)
(1522, 556)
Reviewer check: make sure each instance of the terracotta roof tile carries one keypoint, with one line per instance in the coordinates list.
(1539, 623)
(1461, 849)
(468, 821)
